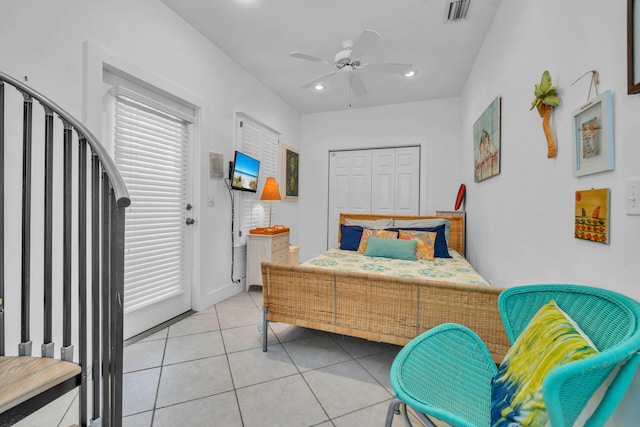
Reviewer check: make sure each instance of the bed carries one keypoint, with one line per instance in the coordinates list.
(382, 306)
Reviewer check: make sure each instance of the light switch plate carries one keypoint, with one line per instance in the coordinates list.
(632, 196)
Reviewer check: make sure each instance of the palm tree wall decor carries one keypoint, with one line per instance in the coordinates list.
(546, 98)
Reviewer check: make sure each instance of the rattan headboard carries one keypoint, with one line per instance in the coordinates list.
(456, 232)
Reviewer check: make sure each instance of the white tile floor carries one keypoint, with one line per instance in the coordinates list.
(209, 370)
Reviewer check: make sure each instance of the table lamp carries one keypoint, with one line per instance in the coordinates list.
(270, 192)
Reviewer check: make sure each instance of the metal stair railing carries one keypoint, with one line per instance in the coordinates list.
(70, 243)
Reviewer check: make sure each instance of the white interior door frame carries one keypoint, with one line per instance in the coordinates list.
(95, 60)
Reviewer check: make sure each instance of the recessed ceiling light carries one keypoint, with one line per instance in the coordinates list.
(410, 73)
(319, 87)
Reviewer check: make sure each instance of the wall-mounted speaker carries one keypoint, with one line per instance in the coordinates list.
(216, 165)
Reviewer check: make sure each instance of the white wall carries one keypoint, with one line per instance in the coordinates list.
(520, 223)
(432, 124)
(44, 41)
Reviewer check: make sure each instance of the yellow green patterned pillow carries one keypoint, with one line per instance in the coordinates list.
(550, 339)
(367, 232)
(426, 243)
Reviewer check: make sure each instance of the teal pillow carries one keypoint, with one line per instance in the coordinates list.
(391, 248)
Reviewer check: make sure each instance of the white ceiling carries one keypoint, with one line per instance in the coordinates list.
(260, 35)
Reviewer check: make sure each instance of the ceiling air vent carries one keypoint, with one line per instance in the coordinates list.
(457, 10)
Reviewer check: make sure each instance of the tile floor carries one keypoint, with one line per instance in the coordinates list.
(209, 370)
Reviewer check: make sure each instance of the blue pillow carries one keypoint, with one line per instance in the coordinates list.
(441, 250)
(350, 236)
(391, 248)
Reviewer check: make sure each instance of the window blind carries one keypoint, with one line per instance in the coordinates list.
(151, 151)
(260, 142)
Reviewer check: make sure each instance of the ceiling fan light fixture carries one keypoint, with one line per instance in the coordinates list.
(347, 62)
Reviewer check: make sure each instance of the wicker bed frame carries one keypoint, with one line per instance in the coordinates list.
(380, 308)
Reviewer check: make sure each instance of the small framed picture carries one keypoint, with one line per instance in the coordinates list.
(633, 46)
(592, 215)
(290, 170)
(486, 142)
(593, 136)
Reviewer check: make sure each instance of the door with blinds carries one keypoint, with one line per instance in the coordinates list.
(385, 180)
(152, 146)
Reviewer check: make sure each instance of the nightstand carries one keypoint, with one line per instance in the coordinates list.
(294, 255)
(264, 247)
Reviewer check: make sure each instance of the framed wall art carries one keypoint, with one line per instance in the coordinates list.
(486, 142)
(633, 46)
(592, 215)
(290, 172)
(593, 136)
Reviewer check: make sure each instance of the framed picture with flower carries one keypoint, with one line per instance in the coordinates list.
(290, 172)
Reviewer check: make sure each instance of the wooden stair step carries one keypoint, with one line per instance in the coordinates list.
(23, 377)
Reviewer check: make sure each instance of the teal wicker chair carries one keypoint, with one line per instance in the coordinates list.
(446, 372)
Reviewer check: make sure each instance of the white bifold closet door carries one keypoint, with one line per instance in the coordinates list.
(385, 180)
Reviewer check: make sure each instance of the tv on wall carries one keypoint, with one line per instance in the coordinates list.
(244, 174)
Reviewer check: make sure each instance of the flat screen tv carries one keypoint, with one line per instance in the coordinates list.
(244, 173)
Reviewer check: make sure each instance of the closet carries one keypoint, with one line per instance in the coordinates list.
(380, 180)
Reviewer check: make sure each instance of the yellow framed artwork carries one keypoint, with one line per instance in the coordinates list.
(592, 215)
(290, 172)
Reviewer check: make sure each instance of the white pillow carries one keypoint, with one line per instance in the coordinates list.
(369, 223)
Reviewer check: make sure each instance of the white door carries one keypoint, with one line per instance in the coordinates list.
(407, 181)
(152, 151)
(349, 187)
(338, 192)
(385, 180)
(359, 182)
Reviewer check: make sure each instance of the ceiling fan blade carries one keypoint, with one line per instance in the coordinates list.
(364, 43)
(388, 68)
(319, 80)
(309, 57)
(356, 84)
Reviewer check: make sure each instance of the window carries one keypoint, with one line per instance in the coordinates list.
(260, 142)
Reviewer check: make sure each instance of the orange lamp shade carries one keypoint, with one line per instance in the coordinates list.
(270, 190)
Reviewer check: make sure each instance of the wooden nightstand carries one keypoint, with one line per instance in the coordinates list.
(264, 247)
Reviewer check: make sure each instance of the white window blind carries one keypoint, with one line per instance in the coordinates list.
(151, 151)
(260, 142)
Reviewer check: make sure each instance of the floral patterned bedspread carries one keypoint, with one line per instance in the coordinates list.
(455, 270)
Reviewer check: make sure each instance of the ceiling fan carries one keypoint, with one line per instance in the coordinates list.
(348, 60)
